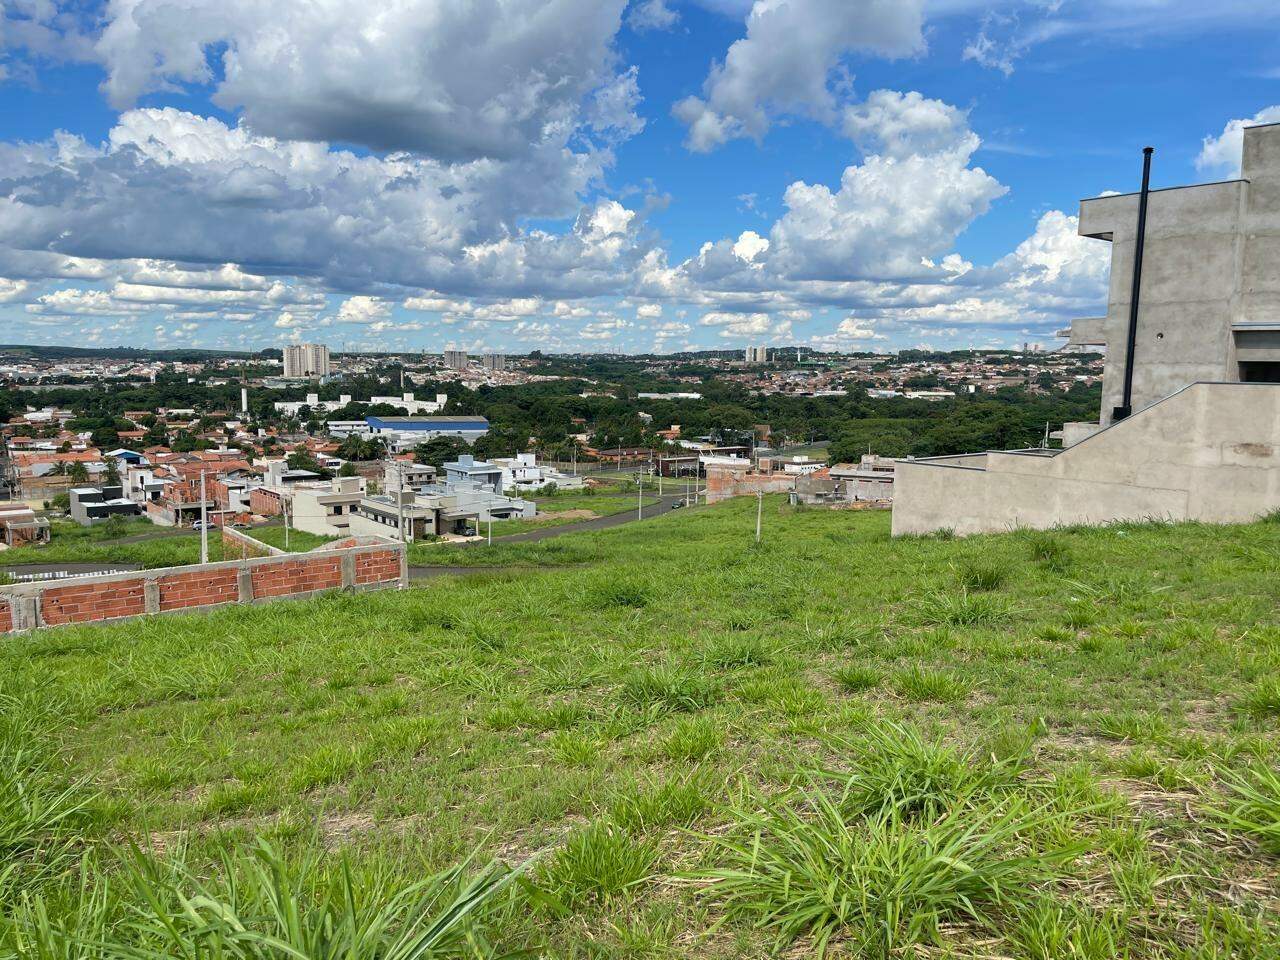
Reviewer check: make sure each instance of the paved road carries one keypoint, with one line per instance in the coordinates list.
(665, 504)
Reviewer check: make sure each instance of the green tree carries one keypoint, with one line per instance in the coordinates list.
(440, 450)
(305, 460)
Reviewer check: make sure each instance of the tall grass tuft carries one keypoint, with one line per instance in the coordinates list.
(619, 593)
(978, 575)
(919, 684)
(669, 688)
(800, 866)
(257, 905)
(897, 767)
(597, 864)
(42, 815)
(679, 801)
(1052, 929)
(1264, 699)
(1251, 806)
(1049, 551)
(963, 609)
(856, 677)
(692, 738)
(731, 653)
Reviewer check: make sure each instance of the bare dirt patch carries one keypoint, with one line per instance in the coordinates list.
(568, 515)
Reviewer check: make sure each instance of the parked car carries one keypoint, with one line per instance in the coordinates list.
(200, 525)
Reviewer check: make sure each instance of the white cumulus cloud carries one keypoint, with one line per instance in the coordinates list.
(1220, 155)
(785, 63)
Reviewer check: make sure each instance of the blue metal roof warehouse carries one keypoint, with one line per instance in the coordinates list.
(406, 431)
(438, 424)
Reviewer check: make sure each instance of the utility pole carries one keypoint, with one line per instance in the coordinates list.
(639, 495)
(400, 499)
(204, 522)
(759, 511)
(284, 510)
(490, 530)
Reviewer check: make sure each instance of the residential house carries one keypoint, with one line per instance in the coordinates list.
(92, 505)
(523, 472)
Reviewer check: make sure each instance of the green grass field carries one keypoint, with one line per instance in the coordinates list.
(674, 744)
(161, 552)
(71, 543)
(299, 540)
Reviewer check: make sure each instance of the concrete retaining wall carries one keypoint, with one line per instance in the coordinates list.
(368, 566)
(1210, 452)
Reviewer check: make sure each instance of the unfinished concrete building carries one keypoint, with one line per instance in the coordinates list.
(1203, 439)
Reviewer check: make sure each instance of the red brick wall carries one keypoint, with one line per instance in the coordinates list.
(298, 576)
(87, 601)
(264, 503)
(722, 484)
(378, 567)
(198, 588)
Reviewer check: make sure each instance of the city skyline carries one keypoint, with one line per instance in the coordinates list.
(651, 176)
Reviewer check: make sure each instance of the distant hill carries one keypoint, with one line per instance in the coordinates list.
(40, 352)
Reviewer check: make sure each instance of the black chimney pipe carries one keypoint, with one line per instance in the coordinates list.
(1126, 406)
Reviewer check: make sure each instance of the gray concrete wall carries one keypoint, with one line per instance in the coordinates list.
(1212, 262)
(1211, 452)
(1260, 259)
(1188, 288)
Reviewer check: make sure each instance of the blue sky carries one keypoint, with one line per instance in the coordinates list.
(594, 174)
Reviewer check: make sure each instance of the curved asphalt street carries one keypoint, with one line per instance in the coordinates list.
(665, 504)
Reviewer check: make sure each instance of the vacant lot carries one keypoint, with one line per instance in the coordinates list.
(137, 541)
(1030, 745)
(146, 544)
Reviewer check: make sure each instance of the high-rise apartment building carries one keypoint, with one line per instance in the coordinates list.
(306, 360)
(455, 359)
(493, 362)
(757, 354)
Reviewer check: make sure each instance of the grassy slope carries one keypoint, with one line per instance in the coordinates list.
(299, 540)
(511, 712)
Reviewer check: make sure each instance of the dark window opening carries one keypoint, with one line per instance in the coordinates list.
(1259, 371)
